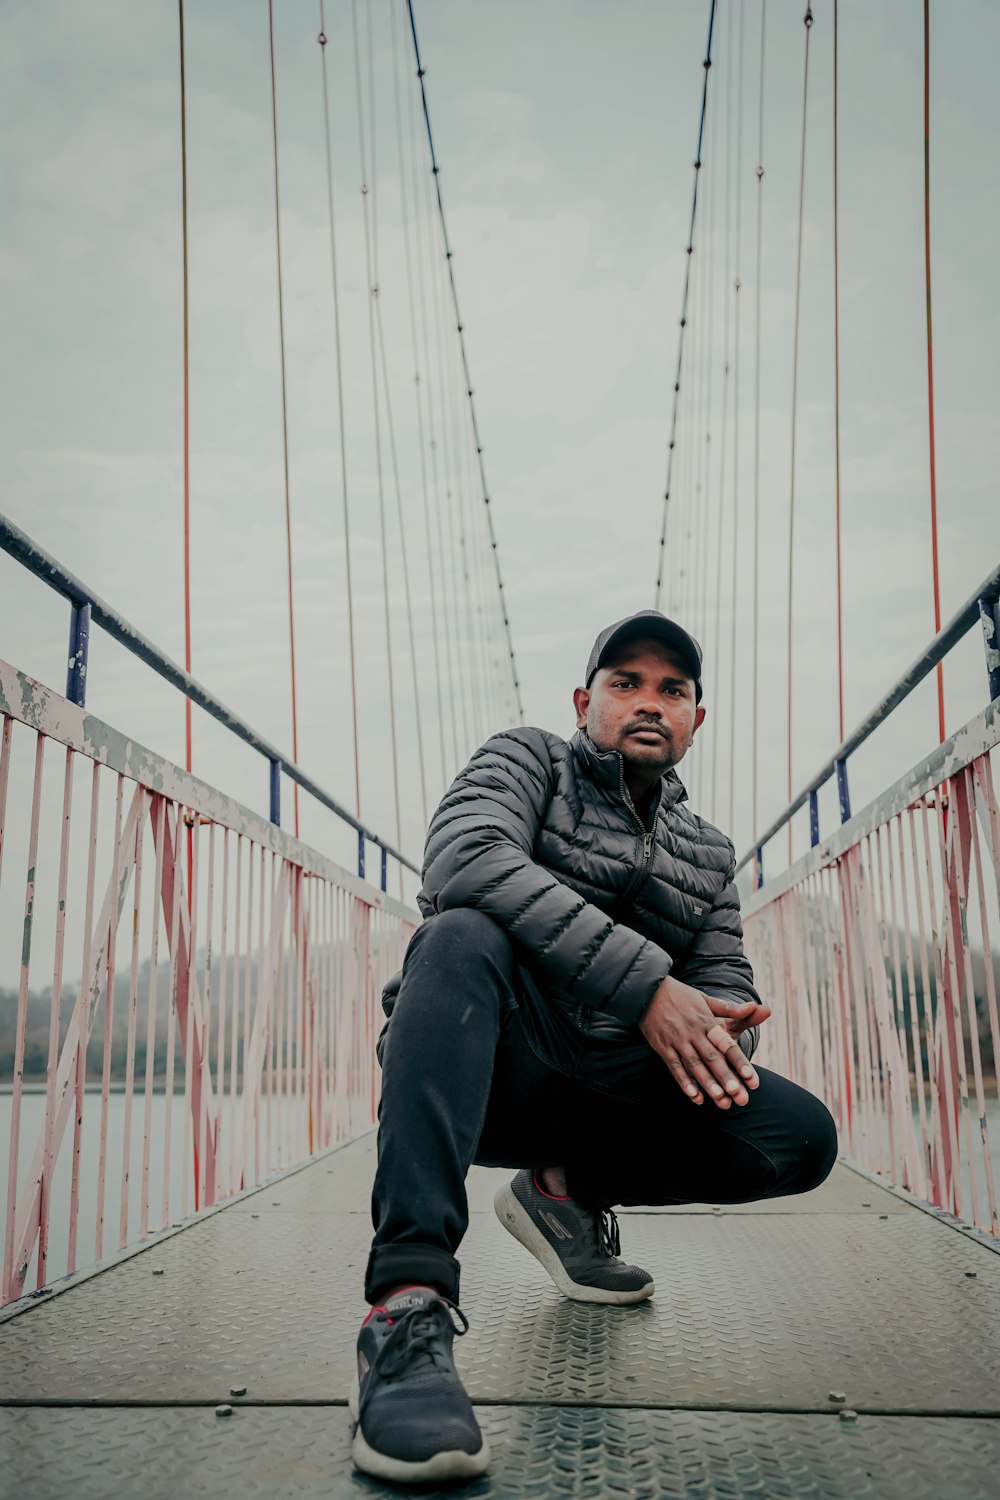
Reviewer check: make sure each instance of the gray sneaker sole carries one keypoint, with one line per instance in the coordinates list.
(452, 1463)
(517, 1221)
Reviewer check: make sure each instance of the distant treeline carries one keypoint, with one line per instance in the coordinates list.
(36, 1048)
(39, 1013)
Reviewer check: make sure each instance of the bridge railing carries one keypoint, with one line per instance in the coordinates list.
(879, 952)
(213, 1020)
(87, 608)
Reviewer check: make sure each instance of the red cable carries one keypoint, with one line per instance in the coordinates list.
(836, 374)
(930, 351)
(284, 411)
(187, 465)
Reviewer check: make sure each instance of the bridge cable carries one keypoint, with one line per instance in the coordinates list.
(756, 439)
(284, 407)
(334, 279)
(717, 637)
(391, 429)
(370, 239)
(808, 23)
(185, 285)
(836, 365)
(425, 269)
(436, 171)
(187, 424)
(448, 476)
(736, 426)
(439, 475)
(930, 353)
(710, 368)
(684, 301)
(418, 392)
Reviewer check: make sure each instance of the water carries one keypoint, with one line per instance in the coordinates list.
(178, 1203)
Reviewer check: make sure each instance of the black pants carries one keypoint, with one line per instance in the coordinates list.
(461, 1084)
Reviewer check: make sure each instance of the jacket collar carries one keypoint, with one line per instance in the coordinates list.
(606, 769)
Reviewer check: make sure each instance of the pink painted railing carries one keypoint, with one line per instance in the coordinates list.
(232, 973)
(878, 951)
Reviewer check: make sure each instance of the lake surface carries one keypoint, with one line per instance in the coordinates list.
(178, 1204)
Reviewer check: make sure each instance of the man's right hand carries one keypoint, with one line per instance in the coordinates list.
(704, 1058)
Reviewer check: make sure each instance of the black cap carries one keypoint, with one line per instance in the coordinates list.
(648, 624)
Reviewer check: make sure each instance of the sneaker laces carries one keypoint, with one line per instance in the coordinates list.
(606, 1229)
(418, 1332)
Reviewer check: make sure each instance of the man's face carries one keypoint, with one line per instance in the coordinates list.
(642, 705)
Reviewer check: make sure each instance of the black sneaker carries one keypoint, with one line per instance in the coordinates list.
(415, 1420)
(578, 1247)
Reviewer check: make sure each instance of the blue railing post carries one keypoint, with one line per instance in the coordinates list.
(814, 817)
(79, 647)
(361, 856)
(843, 791)
(385, 870)
(275, 792)
(989, 612)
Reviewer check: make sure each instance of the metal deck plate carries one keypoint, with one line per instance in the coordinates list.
(752, 1311)
(342, 1183)
(537, 1451)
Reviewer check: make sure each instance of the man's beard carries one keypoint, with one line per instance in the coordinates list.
(628, 751)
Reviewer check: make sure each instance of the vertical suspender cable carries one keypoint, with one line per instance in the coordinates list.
(736, 427)
(930, 351)
(435, 169)
(187, 425)
(725, 407)
(425, 269)
(710, 370)
(284, 408)
(836, 365)
(371, 271)
(807, 21)
(340, 412)
(756, 426)
(187, 432)
(405, 200)
(684, 298)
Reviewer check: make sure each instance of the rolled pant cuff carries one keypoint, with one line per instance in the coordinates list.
(390, 1266)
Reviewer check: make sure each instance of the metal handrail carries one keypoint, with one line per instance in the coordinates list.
(982, 605)
(17, 544)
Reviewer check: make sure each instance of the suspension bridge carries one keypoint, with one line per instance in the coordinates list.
(209, 856)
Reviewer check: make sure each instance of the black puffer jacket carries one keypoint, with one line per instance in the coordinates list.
(542, 835)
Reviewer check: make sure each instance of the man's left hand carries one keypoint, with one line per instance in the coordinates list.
(736, 1025)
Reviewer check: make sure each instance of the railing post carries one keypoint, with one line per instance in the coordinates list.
(814, 817)
(759, 862)
(361, 856)
(843, 791)
(989, 612)
(385, 870)
(275, 813)
(79, 646)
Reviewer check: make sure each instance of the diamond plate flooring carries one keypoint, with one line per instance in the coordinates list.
(722, 1384)
(538, 1451)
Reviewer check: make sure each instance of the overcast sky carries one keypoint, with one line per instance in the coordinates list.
(566, 134)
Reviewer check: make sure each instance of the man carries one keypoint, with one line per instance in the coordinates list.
(577, 1005)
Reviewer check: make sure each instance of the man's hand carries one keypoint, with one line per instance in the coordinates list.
(695, 1035)
(733, 1017)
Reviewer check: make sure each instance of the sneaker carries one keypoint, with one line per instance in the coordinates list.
(577, 1246)
(415, 1421)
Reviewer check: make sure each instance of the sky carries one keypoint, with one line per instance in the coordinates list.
(566, 135)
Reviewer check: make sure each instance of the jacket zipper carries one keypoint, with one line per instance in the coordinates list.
(642, 868)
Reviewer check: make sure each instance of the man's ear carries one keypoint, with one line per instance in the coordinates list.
(581, 701)
(699, 719)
